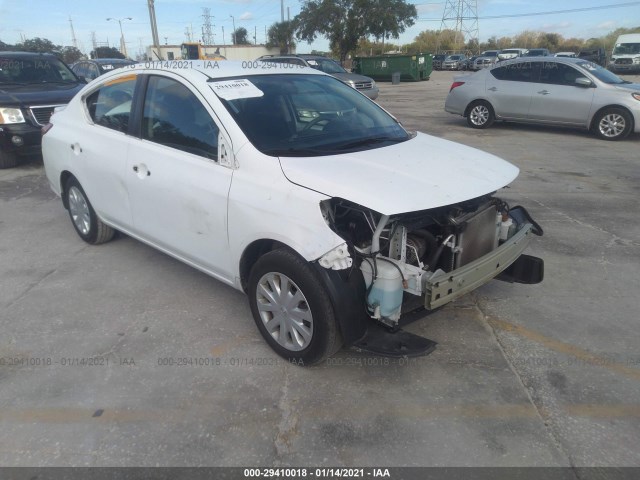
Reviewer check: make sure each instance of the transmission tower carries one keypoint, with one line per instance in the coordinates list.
(207, 31)
(461, 16)
(74, 41)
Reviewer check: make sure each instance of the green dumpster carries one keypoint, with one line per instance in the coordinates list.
(412, 68)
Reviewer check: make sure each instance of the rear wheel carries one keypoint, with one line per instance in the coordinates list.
(292, 308)
(612, 124)
(83, 217)
(480, 114)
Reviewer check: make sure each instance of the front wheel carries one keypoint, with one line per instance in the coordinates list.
(83, 217)
(480, 114)
(292, 308)
(612, 124)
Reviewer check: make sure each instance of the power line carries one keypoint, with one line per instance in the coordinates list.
(552, 12)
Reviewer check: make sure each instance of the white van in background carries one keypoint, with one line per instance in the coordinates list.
(626, 54)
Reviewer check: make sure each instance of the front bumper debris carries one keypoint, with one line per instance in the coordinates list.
(444, 287)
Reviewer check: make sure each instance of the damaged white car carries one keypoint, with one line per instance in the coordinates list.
(293, 187)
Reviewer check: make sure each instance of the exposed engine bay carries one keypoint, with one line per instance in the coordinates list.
(439, 254)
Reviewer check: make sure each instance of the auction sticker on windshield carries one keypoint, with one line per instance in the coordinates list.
(235, 89)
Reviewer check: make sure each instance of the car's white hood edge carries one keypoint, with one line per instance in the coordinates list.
(422, 173)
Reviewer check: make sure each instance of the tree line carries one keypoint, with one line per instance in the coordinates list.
(67, 54)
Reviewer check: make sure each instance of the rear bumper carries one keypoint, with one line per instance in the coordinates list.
(445, 287)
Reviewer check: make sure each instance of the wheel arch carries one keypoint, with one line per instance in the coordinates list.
(64, 178)
(346, 288)
(475, 100)
(601, 109)
(252, 253)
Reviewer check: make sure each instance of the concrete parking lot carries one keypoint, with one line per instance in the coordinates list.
(524, 375)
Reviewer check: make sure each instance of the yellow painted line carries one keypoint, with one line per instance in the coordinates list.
(582, 356)
(603, 411)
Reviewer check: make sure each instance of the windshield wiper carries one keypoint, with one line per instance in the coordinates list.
(292, 152)
(363, 142)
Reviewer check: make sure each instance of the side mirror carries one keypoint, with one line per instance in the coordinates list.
(584, 82)
(82, 79)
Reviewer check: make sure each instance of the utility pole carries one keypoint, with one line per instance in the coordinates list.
(282, 10)
(123, 45)
(233, 35)
(94, 42)
(461, 16)
(154, 26)
(74, 41)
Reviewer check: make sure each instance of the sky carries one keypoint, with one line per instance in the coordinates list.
(49, 19)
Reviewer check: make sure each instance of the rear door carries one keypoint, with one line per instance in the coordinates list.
(100, 147)
(557, 98)
(178, 187)
(509, 89)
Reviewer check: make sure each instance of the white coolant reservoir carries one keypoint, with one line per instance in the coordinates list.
(386, 294)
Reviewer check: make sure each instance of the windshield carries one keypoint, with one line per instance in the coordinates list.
(26, 71)
(537, 53)
(490, 54)
(454, 57)
(626, 49)
(601, 73)
(325, 65)
(308, 115)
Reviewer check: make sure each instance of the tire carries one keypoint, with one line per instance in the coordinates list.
(311, 334)
(480, 114)
(8, 160)
(83, 217)
(612, 124)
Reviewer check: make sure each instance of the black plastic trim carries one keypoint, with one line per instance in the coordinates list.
(346, 289)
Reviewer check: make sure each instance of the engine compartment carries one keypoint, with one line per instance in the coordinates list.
(398, 254)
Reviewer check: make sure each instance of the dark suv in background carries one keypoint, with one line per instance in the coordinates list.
(90, 69)
(364, 85)
(31, 86)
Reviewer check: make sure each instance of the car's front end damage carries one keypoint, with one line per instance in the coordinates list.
(433, 256)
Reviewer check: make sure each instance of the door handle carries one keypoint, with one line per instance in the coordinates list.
(493, 89)
(135, 168)
(544, 92)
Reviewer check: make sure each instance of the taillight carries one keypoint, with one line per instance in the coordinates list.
(455, 84)
(45, 128)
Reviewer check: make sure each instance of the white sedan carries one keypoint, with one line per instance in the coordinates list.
(293, 187)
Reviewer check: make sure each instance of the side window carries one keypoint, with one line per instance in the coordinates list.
(110, 105)
(80, 70)
(558, 74)
(516, 72)
(92, 71)
(173, 116)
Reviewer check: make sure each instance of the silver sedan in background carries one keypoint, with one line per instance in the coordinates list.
(559, 91)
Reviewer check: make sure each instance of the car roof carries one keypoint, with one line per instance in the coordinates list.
(111, 61)
(214, 69)
(566, 60)
(28, 55)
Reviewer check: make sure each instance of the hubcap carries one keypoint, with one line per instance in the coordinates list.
(284, 311)
(479, 115)
(612, 125)
(79, 209)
